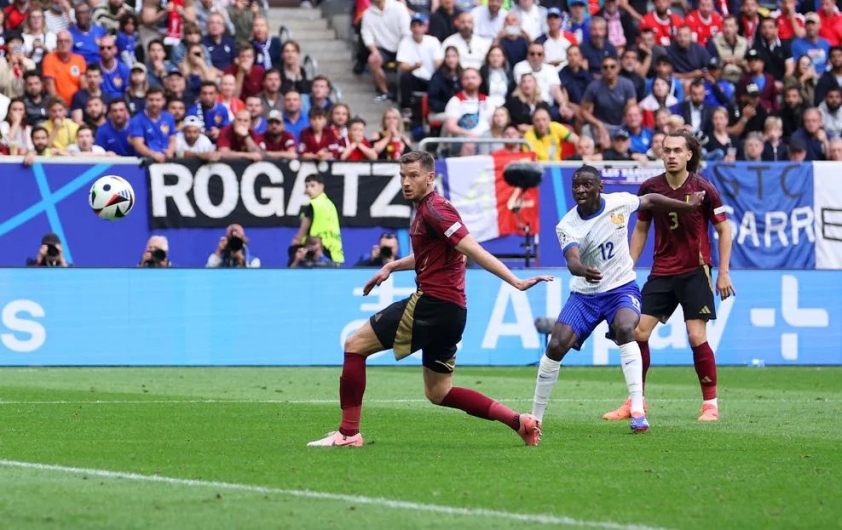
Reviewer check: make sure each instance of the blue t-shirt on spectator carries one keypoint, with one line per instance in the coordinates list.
(156, 133)
(86, 43)
(296, 127)
(260, 128)
(126, 45)
(222, 54)
(818, 52)
(640, 143)
(216, 116)
(116, 140)
(114, 82)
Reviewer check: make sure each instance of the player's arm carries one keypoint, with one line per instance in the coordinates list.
(661, 203)
(403, 264)
(723, 281)
(638, 238)
(469, 247)
(576, 268)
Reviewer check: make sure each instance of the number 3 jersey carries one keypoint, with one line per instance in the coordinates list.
(603, 241)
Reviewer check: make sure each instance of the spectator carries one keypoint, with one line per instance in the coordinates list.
(94, 115)
(213, 114)
(318, 141)
(418, 57)
(688, 58)
(152, 132)
(238, 142)
(293, 76)
(704, 22)
(356, 147)
(792, 111)
(472, 48)
(84, 145)
(127, 40)
(660, 98)
(268, 49)
(757, 75)
(749, 115)
(629, 66)
(178, 110)
(730, 48)
(606, 100)
(546, 137)
(790, 22)
(276, 142)
(86, 35)
(50, 254)
(805, 79)
(830, 22)
(294, 120)
(752, 148)
(774, 149)
(158, 66)
(696, 113)
(621, 27)
(310, 255)
(835, 150)
(271, 96)
(797, 150)
(192, 35)
(222, 48)
(831, 115)
(56, 15)
(40, 145)
(443, 20)
(255, 110)
(524, 101)
(138, 86)
(37, 39)
(249, 76)
(532, 17)
(721, 145)
(93, 82)
(391, 142)
(233, 251)
(159, 17)
(12, 69)
(620, 149)
(63, 69)
(175, 88)
(15, 14)
(489, 19)
(577, 23)
(227, 96)
(62, 130)
(115, 75)
(663, 69)
(512, 40)
(108, 14)
(640, 136)
(546, 75)
(776, 54)
(498, 82)
(339, 117)
(385, 251)
(15, 131)
(113, 135)
(657, 150)
(575, 77)
(650, 52)
(320, 219)
(556, 41)
(446, 82)
(596, 47)
(206, 8)
(586, 150)
(817, 48)
(663, 21)
(813, 135)
(718, 92)
(510, 133)
(156, 254)
(242, 13)
(832, 77)
(468, 114)
(384, 24)
(191, 143)
(320, 93)
(749, 20)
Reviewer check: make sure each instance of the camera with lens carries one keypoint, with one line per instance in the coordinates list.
(157, 258)
(386, 252)
(310, 255)
(52, 250)
(235, 243)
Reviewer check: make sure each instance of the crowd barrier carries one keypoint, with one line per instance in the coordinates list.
(292, 317)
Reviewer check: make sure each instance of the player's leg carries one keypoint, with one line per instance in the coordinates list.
(577, 320)
(697, 301)
(622, 310)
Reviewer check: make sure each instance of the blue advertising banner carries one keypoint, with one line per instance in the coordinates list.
(770, 208)
(301, 317)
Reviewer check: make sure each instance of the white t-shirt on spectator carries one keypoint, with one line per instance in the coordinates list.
(556, 49)
(385, 28)
(427, 52)
(547, 77)
(533, 22)
(484, 25)
(73, 149)
(471, 54)
(473, 114)
(202, 145)
(48, 39)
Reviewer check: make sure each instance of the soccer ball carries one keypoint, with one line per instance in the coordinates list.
(111, 197)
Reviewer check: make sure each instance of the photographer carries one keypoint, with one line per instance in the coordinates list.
(50, 254)
(156, 255)
(233, 251)
(385, 251)
(310, 256)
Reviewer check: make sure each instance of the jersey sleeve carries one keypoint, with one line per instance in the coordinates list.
(714, 209)
(135, 129)
(566, 237)
(443, 219)
(643, 215)
(629, 201)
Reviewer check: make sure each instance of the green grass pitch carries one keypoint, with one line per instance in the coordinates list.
(206, 448)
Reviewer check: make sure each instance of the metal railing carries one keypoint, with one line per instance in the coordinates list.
(461, 140)
(284, 34)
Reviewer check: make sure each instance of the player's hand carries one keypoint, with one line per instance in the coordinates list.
(523, 285)
(381, 276)
(696, 199)
(724, 286)
(593, 275)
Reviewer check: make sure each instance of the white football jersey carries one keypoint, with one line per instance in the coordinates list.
(603, 241)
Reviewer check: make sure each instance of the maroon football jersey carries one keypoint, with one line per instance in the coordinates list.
(682, 244)
(435, 232)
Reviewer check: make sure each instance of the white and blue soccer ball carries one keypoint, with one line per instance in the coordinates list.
(111, 197)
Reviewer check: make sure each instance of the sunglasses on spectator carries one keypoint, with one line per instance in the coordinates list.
(609, 66)
(536, 54)
(106, 47)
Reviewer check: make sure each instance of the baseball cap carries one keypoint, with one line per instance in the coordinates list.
(421, 18)
(50, 239)
(812, 17)
(193, 121)
(714, 63)
(275, 115)
(797, 144)
(753, 54)
(752, 89)
(620, 133)
(174, 71)
(140, 66)
(578, 2)
(553, 12)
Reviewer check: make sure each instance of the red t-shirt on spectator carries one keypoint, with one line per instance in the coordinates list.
(14, 18)
(664, 29)
(308, 143)
(704, 30)
(281, 143)
(831, 28)
(786, 30)
(228, 139)
(252, 84)
(357, 154)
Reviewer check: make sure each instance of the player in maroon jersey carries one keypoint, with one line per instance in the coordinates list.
(680, 273)
(433, 318)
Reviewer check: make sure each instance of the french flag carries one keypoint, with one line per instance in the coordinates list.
(487, 204)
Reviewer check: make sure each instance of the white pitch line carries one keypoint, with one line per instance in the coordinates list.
(368, 401)
(351, 499)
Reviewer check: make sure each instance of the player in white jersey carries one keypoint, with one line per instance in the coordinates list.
(594, 238)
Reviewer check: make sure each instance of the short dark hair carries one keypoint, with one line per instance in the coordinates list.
(272, 70)
(84, 127)
(317, 112)
(155, 90)
(209, 83)
(354, 121)
(321, 78)
(588, 171)
(37, 129)
(244, 47)
(93, 67)
(424, 159)
(315, 177)
(52, 102)
(834, 49)
(156, 41)
(116, 102)
(31, 73)
(697, 83)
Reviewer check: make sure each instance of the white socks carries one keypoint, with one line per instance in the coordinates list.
(632, 365)
(714, 402)
(547, 377)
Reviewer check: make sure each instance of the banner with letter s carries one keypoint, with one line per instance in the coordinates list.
(770, 208)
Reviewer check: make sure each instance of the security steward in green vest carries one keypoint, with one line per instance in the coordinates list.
(320, 219)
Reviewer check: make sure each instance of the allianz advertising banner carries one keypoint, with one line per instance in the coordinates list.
(139, 317)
